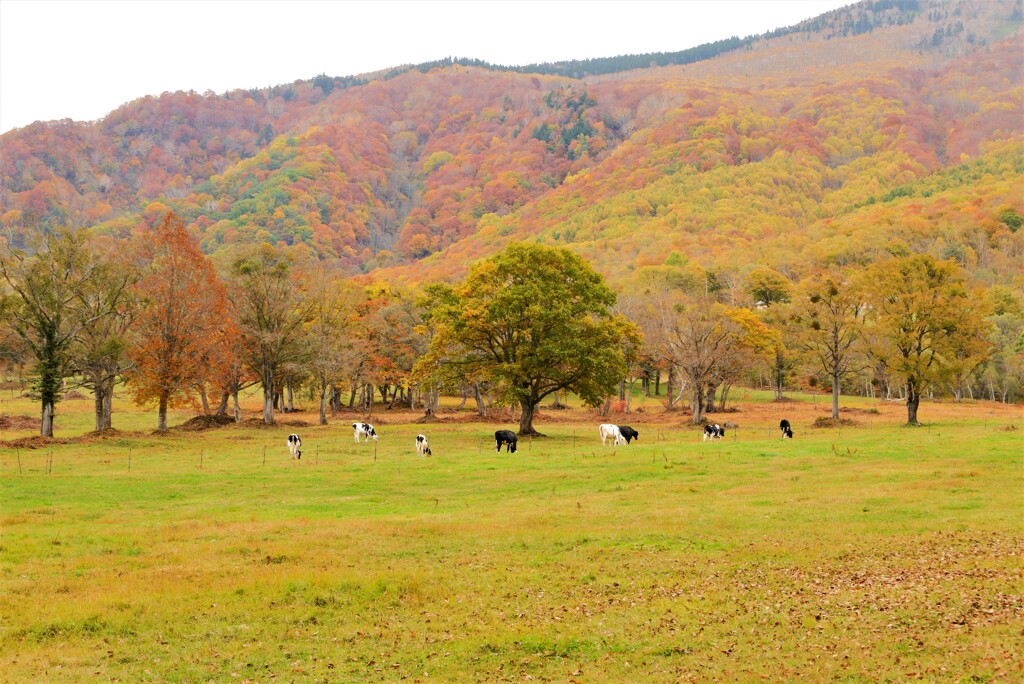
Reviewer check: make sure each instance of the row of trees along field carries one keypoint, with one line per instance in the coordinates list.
(530, 323)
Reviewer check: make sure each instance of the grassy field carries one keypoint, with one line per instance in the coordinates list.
(869, 553)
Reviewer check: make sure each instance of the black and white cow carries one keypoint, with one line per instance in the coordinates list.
(609, 431)
(422, 448)
(361, 429)
(715, 431)
(628, 433)
(294, 444)
(508, 438)
(787, 431)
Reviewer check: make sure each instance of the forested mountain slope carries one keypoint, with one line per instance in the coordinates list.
(880, 127)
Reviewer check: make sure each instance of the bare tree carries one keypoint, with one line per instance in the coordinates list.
(828, 330)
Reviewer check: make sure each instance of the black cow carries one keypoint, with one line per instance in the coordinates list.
(787, 431)
(715, 431)
(508, 438)
(628, 433)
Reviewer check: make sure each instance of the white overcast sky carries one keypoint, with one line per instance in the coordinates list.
(81, 59)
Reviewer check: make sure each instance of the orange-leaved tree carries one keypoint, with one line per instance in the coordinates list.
(185, 318)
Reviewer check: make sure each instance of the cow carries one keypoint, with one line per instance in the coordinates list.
(508, 438)
(787, 431)
(294, 443)
(715, 431)
(422, 448)
(361, 429)
(628, 433)
(609, 431)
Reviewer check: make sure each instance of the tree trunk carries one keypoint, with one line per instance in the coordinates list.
(709, 400)
(269, 395)
(835, 395)
(108, 407)
(529, 406)
(238, 409)
(222, 408)
(724, 396)
(204, 398)
(679, 395)
(780, 374)
(46, 422)
(670, 386)
(161, 414)
(657, 382)
(913, 401)
(291, 399)
(323, 403)
(481, 407)
(697, 404)
(97, 393)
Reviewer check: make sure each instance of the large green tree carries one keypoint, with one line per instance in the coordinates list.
(535, 320)
(45, 304)
(101, 354)
(272, 308)
(921, 316)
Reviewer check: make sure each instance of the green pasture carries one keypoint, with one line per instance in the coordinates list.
(872, 553)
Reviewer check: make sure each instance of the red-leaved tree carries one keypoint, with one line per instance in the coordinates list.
(184, 321)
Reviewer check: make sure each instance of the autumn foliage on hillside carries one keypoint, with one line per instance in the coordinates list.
(855, 134)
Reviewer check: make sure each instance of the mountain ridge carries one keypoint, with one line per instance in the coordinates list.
(413, 175)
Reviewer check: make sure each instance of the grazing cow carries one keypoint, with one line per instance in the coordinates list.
(294, 443)
(508, 438)
(787, 431)
(713, 432)
(361, 429)
(628, 433)
(422, 448)
(609, 431)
